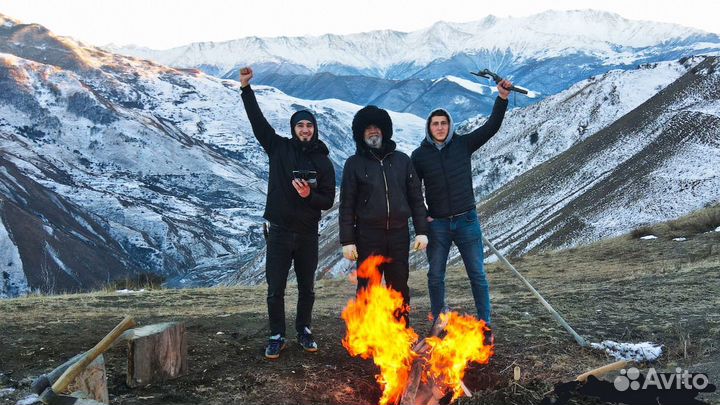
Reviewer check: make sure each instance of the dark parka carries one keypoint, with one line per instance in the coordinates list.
(284, 206)
(447, 170)
(379, 189)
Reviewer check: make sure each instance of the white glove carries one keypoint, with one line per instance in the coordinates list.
(350, 252)
(421, 242)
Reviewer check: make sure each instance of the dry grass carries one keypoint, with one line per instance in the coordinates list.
(698, 222)
(623, 289)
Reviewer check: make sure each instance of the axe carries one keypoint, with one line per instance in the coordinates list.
(51, 395)
(497, 79)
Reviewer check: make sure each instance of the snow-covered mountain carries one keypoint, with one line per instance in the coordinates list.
(400, 55)
(409, 72)
(154, 165)
(112, 166)
(653, 163)
(525, 189)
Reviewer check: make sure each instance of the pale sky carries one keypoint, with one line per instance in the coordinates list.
(162, 24)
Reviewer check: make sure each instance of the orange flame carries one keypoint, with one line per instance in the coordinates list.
(374, 332)
(464, 343)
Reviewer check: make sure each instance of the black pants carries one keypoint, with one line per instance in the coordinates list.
(393, 244)
(286, 248)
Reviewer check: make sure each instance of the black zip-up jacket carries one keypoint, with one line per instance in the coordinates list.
(284, 206)
(447, 171)
(379, 190)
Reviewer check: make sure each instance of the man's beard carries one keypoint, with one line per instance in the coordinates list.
(374, 141)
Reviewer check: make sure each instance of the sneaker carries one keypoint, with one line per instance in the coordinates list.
(275, 345)
(306, 340)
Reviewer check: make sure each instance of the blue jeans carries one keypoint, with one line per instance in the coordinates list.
(464, 231)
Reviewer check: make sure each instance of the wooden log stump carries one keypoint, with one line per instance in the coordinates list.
(92, 381)
(156, 353)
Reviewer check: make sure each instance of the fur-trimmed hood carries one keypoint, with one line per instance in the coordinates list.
(371, 115)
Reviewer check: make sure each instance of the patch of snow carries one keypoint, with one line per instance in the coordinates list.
(56, 258)
(6, 391)
(638, 352)
(472, 86)
(29, 400)
(15, 283)
(717, 229)
(649, 237)
(126, 291)
(680, 239)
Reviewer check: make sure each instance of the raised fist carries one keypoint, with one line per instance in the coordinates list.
(246, 74)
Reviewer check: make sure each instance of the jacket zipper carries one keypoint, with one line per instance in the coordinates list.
(387, 192)
(387, 195)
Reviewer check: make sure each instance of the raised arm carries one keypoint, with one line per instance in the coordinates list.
(262, 130)
(480, 136)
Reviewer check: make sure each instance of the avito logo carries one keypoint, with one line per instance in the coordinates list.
(681, 379)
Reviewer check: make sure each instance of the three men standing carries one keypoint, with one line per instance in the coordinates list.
(443, 163)
(381, 189)
(293, 210)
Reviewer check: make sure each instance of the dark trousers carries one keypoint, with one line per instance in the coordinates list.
(393, 244)
(286, 248)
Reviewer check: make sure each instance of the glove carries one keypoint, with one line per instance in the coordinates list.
(350, 252)
(421, 242)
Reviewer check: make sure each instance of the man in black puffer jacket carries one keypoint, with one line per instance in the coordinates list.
(443, 163)
(379, 192)
(293, 210)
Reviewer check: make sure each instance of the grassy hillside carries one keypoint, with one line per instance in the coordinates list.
(625, 289)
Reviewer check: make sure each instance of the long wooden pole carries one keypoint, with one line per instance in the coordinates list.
(582, 342)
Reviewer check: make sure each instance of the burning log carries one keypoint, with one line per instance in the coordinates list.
(422, 389)
(411, 371)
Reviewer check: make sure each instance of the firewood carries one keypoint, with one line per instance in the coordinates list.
(156, 353)
(92, 381)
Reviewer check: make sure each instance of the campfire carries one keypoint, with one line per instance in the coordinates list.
(412, 370)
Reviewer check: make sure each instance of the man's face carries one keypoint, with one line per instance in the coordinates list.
(304, 130)
(439, 127)
(373, 136)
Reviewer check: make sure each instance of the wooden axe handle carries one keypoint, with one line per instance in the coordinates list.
(600, 371)
(69, 375)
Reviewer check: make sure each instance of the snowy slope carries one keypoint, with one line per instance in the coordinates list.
(535, 134)
(162, 159)
(657, 162)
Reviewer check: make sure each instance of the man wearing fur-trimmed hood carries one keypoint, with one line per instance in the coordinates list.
(443, 163)
(379, 192)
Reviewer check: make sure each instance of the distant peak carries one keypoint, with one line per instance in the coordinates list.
(6, 21)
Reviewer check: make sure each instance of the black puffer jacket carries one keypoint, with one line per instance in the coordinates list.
(284, 206)
(379, 189)
(447, 170)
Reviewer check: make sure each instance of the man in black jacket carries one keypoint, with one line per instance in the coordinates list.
(301, 184)
(443, 163)
(379, 192)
